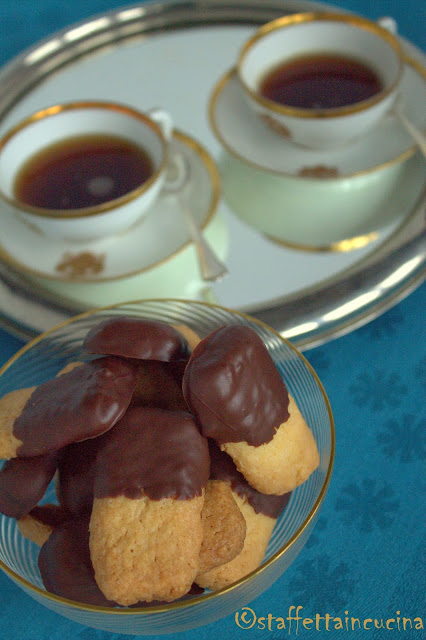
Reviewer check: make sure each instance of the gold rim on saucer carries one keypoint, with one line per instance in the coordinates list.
(207, 161)
(300, 18)
(340, 246)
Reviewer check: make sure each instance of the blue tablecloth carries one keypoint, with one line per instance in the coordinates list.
(365, 558)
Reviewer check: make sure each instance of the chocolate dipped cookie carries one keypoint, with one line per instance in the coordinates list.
(79, 404)
(260, 513)
(133, 337)
(146, 529)
(234, 389)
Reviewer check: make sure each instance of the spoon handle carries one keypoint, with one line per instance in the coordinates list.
(411, 129)
(211, 267)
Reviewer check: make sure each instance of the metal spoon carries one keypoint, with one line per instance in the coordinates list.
(390, 25)
(211, 267)
(410, 128)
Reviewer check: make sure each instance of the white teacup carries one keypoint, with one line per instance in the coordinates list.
(302, 35)
(56, 125)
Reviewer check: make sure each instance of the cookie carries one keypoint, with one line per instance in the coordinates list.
(232, 386)
(145, 550)
(234, 389)
(65, 565)
(191, 336)
(258, 532)
(224, 527)
(82, 403)
(69, 367)
(134, 337)
(11, 406)
(289, 458)
(157, 386)
(23, 482)
(260, 513)
(145, 528)
(41, 521)
(76, 475)
(223, 468)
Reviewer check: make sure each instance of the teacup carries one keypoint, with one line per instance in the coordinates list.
(321, 79)
(85, 170)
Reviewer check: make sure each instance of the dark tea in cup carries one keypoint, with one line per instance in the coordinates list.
(320, 81)
(82, 171)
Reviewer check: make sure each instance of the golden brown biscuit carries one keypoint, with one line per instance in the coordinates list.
(11, 406)
(145, 550)
(145, 528)
(224, 527)
(41, 521)
(34, 530)
(79, 404)
(233, 387)
(260, 512)
(190, 335)
(281, 465)
(69, 367)
(259, 529)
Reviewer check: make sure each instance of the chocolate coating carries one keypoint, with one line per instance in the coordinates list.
(23, 482)
(153, 452)
(222, 467)
(65, 565)
(76, 469)
(234, 389)
(80, 404)
(51, 515)
(157, 386)
(137, 338)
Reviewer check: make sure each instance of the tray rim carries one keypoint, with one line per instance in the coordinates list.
(403, 249)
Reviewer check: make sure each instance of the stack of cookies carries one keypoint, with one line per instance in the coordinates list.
(172, 456)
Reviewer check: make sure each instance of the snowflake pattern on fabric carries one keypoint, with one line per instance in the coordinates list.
(322, 585)
(6, 598)
(94, 634)
(389, 323)
(319, 360)
(420, 372)
(404, 439)
(378, 390)
(314, 538)
(368, 505)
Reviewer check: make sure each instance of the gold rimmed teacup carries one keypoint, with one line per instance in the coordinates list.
(306, 36)
(45, 131)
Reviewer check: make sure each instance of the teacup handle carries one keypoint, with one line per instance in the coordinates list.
(388, 23)
(164, 121)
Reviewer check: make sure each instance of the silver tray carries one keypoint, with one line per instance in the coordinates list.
(362, 286)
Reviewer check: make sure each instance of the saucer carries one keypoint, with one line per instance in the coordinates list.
(322, 215)
(158, 240)
(244, 135)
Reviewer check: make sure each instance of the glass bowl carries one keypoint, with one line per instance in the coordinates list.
(42, 358)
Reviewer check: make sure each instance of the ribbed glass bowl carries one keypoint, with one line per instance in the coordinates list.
(42, 358)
